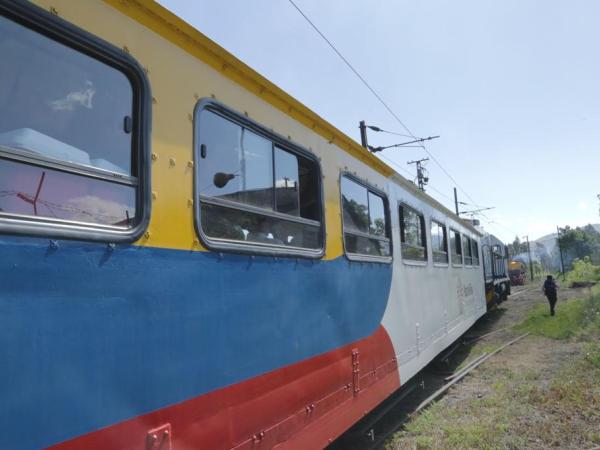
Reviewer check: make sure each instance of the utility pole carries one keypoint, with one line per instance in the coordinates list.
(529, 253)
(562, 263)
(422, 179)
(598, 205)
(363, 134)
(456, 202)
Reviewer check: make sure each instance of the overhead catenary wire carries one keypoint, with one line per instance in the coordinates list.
(384, 104)
(377, 96)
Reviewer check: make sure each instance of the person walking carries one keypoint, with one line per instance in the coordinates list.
(550, 289)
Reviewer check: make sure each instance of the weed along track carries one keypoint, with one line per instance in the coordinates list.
(517, 379)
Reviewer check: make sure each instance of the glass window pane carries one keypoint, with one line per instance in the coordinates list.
(233, 224)
(467, 250)
(413, 239)
(439, 242)
(366, 246)
(475, 252)
(466, 246)
(42, 192)
(377, 224)
(310, 185)
(435, 236)
(287, 190)
(61, 104)
(413, 252)
(238, 165)
(411, 223)
(456, 247)
(256, 175)
(355, 206)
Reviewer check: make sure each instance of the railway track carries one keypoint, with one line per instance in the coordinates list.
(379, 425)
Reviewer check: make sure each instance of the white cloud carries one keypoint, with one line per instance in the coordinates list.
(582, 205)
(82, 97)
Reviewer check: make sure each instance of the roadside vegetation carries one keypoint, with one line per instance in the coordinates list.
(543, 392)
(584, 273)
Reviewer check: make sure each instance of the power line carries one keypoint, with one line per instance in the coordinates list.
(378, 97)
(384, 104)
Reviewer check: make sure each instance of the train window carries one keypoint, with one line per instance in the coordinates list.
(439, 242)
(455, 247)
(366, 230)
(70, 137)
(256, 193)
(475, 252)
(412, 234)
(467, 256)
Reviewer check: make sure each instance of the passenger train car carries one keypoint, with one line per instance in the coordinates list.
(495, 269)
(190, 257)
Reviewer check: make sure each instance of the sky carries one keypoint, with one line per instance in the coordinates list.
(512, 87)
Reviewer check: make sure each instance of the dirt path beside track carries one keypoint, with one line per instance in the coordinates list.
(516, 398)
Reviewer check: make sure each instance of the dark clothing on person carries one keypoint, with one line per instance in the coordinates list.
(550, 292)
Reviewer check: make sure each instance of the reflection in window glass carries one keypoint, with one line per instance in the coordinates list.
(253, 192)
(439, 242)
(412, 234)
(61, 104)
(467, 250)
(287, 189)
(241, 158)
(364, 220)
(222, 140)
(456, 247)
(355, 204)
(376, 215)
(255, 172)
(29, 190)
(231, 224)
(366, 246)
(475, 252)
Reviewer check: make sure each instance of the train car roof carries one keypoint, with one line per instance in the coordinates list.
(180, 33)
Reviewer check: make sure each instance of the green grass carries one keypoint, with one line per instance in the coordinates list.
(573, 318)
(583, 271)
(517, 408)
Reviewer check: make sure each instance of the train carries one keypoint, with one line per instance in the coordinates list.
(517, 271)
(191, 258)
(498, 280)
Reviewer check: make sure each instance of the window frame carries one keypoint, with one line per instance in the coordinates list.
(423, 223)
(388, 228)
(433, 251)
(277, 140)
(39, 21)
(462, 257)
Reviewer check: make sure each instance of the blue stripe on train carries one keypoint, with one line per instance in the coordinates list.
(90, 337)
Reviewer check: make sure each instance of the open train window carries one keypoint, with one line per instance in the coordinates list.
(412, 234)
(456, 247)
(365, 221)
(467, 255)
(73, 124)
(257, 192)
(439, 242)
(475, 252)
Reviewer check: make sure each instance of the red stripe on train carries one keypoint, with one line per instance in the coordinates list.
(305, 405)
